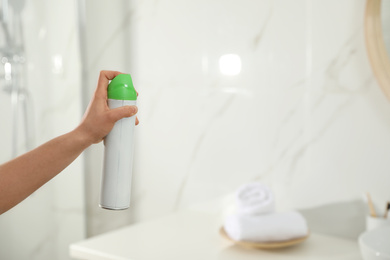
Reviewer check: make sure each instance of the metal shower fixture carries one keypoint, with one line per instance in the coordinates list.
(13, 71)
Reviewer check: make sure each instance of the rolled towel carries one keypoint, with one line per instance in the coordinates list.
(254, 198)
(267, 227)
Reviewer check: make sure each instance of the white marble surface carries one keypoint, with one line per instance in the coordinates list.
(43, 225)
(194, 235)
(305, 115)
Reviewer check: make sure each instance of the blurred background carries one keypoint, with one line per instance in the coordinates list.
(280, 92)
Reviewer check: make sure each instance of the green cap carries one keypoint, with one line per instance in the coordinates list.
(121, 88)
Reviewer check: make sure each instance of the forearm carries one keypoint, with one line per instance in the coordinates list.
(25, 174)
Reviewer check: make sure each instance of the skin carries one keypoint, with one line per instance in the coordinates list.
(25, 174)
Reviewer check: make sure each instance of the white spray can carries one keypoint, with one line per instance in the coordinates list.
(119, 147)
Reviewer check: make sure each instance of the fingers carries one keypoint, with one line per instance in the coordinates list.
(121, 112)
(104, 77)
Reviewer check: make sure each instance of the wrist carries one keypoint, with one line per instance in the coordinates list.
(82, 137)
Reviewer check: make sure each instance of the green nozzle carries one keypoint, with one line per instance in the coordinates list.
(121, 88)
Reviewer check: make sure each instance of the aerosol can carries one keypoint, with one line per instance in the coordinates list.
(119, 147)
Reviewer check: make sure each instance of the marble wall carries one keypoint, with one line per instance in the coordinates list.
(43, 225)
(304, 114)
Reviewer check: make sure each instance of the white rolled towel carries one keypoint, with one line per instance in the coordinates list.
(267, 227)
(254, 198)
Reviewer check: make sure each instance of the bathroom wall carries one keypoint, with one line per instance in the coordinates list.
(43, 225)
(304, 115)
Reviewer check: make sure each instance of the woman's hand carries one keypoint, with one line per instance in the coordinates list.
(99, 119)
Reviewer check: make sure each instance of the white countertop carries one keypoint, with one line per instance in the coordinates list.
(195, 235)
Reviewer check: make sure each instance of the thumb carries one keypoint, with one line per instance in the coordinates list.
(121, 112)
